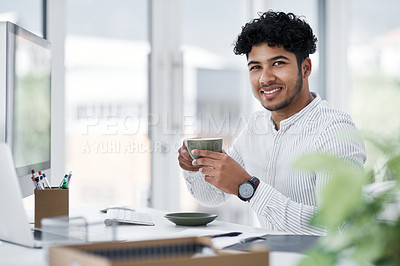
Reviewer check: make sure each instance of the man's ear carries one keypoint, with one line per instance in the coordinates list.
(306, 67)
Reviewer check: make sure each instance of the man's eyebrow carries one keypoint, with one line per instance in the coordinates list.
(270, 59)
(278, 57)
(252, 63)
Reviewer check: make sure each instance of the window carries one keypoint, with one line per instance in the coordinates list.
(216, 88)
(27, 14)
(374, 64)
(107, 144)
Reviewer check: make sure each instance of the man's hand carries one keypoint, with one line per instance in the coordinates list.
(221, 170)
(185, 160)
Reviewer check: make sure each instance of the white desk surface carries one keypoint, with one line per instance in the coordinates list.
(16, 255)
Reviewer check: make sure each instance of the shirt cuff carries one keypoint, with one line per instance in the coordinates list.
(191, 176)
(261, 197)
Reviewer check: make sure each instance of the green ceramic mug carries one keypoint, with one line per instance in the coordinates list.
(211, 144)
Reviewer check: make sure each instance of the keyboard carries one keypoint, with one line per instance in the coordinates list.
(128, 217)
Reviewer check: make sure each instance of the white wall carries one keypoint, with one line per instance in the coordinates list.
(56, 35)
(337, 72)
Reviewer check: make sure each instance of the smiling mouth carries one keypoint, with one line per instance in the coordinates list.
(269, 92)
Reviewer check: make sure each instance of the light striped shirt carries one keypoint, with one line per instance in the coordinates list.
(287, 198)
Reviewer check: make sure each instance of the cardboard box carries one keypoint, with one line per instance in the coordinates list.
(50, 203)
(163, 252)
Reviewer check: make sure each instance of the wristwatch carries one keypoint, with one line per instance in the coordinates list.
(247, 189)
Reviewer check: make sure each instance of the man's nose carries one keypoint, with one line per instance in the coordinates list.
(266, 77)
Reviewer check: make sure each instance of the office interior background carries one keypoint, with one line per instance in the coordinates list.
(133, 78)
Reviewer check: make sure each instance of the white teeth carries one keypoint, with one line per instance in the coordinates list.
(270, 92)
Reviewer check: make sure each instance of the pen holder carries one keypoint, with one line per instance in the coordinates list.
(50, 203)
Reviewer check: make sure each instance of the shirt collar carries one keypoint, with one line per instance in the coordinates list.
(291, 120)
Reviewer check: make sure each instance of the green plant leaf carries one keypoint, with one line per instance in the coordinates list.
(318, 257)
(366, 239)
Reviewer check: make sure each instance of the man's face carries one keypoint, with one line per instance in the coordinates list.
(274, 76)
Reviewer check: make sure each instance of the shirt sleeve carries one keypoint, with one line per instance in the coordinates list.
(339, 138)
(284, 214)
(204, 192)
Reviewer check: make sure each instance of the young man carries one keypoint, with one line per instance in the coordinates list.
(258, 168)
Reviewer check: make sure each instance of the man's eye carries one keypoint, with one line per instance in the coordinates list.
(254, 67)
(277, 63)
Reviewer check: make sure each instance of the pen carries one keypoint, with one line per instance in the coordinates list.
(45, 179)
(33, 179)
(225, 234)
(69, 177)
(36, 180)
(34, 183)
(41, 180)
(40, 186)
(62, 181)
(65, 184)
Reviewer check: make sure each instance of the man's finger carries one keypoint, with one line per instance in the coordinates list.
(185, 153)
(207, 153)
(209, 179)
(184, 161)
(207, 171)
(205, 162)
(188, 167)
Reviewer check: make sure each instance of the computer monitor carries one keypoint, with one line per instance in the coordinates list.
(25, 101)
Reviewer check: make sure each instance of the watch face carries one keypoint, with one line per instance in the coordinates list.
(246, 190)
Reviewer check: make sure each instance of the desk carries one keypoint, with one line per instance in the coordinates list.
(16, 255)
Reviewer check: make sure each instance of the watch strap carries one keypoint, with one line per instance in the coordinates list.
(254, 181)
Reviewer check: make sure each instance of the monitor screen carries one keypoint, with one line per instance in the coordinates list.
(31, 125)
(28, 102)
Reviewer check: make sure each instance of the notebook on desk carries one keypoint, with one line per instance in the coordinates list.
(14, 223)
(283, 243)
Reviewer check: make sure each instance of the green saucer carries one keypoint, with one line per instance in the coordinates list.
(191, 218)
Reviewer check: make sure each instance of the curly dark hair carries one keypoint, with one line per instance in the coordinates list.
(278, 29)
